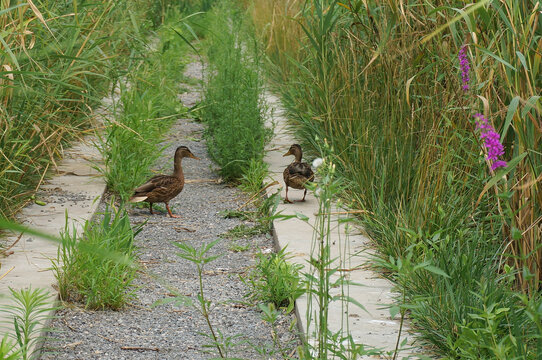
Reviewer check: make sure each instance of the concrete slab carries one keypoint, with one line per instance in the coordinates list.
(74, 187)
(373, 327)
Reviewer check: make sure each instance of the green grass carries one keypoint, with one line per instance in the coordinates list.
(254, 176)
(96, 267)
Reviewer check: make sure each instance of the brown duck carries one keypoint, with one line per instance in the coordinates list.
(163, 188)
(297, 173)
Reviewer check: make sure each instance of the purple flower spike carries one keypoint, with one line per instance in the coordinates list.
(465, 67)
(492, 142)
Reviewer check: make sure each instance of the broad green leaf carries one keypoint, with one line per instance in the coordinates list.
(436, 270)
(531, 103)
(499, 59)
(512, 107)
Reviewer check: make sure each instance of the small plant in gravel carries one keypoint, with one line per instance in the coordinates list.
(221, 344)
(244, 231)
(30, 310)
(97, 267)
(262, 214)
(270, 315)
(275, 280)
(236, 247)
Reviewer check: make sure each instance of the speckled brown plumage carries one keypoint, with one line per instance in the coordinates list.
(297, 173)
(163, 188)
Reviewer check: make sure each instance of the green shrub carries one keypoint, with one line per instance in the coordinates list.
(233, 107)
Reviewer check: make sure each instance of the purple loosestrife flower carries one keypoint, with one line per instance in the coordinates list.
(465, 67)
(492, 141)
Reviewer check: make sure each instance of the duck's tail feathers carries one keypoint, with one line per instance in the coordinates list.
(138, 198)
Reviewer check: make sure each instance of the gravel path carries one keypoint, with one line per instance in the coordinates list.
(141, 331)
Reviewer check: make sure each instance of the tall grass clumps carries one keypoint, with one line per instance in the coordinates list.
(97, 267)
(444, 157)
(233, 107)
(57, 60)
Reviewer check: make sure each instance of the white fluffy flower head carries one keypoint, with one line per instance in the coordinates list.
(317, 162)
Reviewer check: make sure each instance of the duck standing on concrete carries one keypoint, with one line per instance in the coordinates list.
(297, 173)
(163, 188)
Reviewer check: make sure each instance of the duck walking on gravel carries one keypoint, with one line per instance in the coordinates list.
(163, 188)
(297, 173)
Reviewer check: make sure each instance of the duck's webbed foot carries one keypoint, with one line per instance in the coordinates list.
(170, 213)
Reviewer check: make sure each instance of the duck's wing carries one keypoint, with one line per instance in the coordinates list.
(154, 184)
(301, 169)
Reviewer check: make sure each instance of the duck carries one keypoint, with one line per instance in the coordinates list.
(163, 188)
(297, 173)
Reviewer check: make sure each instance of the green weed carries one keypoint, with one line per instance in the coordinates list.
(244, 231)
(221, 344)
(275, 280)
(236, 247)
(253, 178)
(31, 310)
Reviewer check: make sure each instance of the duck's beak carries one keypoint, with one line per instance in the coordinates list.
(194, 156)
(288, 153)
